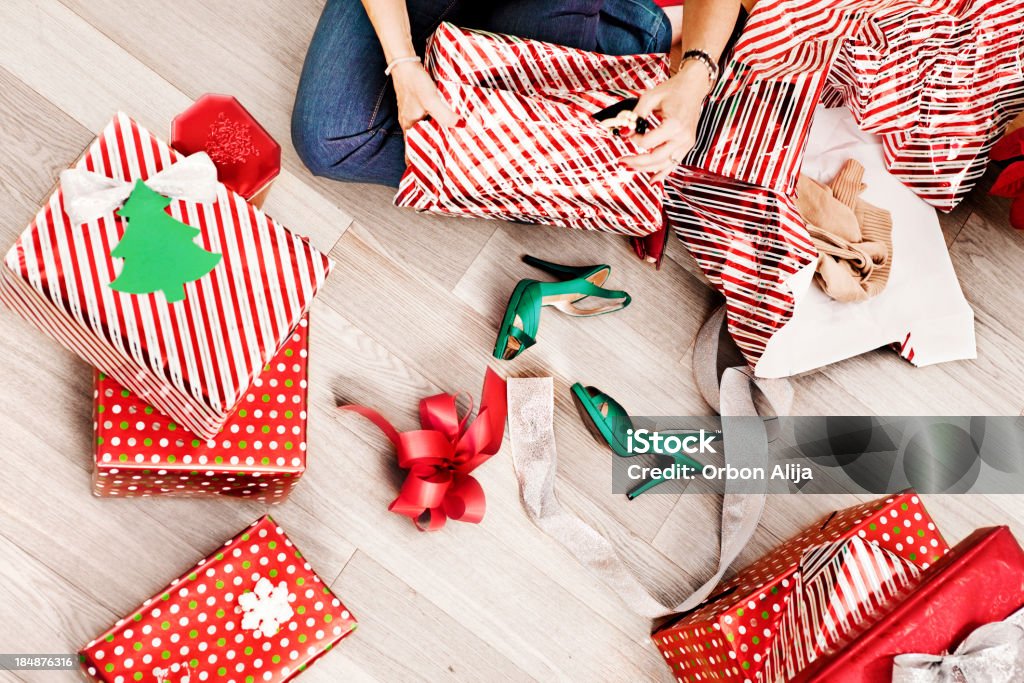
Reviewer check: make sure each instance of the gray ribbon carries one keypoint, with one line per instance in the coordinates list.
(993, 653)
(531, 427)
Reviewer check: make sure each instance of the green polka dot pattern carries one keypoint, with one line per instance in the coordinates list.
(747, 634)
(260, 453)
(220, 623)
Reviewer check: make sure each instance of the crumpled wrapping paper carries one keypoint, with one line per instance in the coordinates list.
(528, 148)
(937, 79)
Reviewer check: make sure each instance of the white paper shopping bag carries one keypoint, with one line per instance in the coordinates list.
(922, 309)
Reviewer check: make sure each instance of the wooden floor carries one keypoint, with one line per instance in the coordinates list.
(411, 309)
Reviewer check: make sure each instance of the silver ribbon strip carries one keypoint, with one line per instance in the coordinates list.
(88, 195)
(531, 428)
(993, 653)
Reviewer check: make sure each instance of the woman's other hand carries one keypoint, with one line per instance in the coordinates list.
(678, 102)
(418, 97)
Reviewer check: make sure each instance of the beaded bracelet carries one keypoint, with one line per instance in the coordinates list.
(705, 59)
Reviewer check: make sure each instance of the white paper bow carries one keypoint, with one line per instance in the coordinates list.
(266, 608)
(993, 653)
(89, 195)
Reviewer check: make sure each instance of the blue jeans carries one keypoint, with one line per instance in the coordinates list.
(345, 122)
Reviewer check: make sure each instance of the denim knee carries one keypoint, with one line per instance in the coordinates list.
(661, 41)
(324, 153)
(633, 27)
(310, 144)
(363, 156)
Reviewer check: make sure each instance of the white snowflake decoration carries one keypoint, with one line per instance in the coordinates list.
(182, 671)
(266, 609)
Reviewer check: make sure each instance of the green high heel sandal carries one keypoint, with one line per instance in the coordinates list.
(609, 423)
(519, 325)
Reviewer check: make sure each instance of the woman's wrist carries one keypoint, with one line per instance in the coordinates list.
(402, 63)
(397, 47)
(405, 70)
(694, 75)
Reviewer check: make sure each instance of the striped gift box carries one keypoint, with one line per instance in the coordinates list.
(194, 359)
(528, 148)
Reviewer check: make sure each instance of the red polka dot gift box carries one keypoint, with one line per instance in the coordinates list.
(801, 600)
(252, 612)
(260, 453)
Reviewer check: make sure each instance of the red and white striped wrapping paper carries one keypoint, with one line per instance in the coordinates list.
(517, 97)
(528, 148)
(839, 588)
(195, 359)
(785, 609)
(750, 242)
(937, 79)
(901, 66)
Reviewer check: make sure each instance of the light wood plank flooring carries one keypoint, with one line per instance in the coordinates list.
(411, 309)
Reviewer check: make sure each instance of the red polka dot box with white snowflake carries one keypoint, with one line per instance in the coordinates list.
(252, 612)
(260, 453)
(782, 612)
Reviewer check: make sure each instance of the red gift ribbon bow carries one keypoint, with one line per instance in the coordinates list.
(441, 455)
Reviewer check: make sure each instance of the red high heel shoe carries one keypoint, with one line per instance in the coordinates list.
(651, 248)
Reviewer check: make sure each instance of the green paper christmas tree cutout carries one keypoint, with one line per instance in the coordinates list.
(158, 251)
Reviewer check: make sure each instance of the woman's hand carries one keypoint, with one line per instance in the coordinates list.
(418, 97)
(678, 101)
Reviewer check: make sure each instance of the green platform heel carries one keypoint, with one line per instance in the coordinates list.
(519, 325)
(609, 422)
